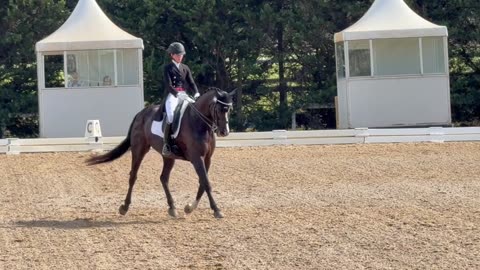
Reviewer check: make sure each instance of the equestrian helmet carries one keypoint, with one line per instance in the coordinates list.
(176, 48)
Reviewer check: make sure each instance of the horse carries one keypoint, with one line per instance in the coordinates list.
(195, 143)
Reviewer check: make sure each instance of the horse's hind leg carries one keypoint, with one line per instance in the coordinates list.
(164, 177)
(138, 153)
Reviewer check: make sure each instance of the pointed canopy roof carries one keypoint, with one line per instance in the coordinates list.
(390, 19)
(88, 28)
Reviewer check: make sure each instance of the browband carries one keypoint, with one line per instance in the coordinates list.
(228, 104)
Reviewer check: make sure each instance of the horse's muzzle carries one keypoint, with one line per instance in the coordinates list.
(222, 133)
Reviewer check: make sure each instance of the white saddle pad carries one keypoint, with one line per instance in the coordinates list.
(157, 125)
(157, 128)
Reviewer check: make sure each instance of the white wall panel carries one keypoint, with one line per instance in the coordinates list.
(390, 102)
(64, 112)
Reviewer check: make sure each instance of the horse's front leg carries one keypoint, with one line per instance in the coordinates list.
(164, 178)
(192, 206)
(200, 168)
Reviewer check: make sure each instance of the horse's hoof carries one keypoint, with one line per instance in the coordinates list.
(122, 210)
(189, 208)
(173, 212)
(218, 214)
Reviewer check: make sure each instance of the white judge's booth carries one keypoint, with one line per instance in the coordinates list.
(392, 70)
(88, 69)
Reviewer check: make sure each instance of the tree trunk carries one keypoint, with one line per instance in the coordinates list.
(282, 86)
(238, 103)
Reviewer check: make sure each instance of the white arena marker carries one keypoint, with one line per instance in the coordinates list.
(93, 130)
(93, 134)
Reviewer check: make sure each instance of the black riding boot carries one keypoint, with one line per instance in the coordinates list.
(167, 148)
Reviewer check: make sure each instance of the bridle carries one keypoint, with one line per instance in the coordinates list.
(212, 124)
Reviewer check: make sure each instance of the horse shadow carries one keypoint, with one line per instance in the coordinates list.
(86, 223)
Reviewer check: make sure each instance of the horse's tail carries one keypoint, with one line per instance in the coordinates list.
(115, 153)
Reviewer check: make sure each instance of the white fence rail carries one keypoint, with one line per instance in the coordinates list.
(276, 137)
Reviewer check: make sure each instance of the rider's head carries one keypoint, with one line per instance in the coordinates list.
(176, 51)
(176, 48)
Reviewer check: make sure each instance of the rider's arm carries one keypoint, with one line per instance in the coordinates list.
(190, 81)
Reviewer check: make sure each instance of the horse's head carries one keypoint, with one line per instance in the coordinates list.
(216, 105)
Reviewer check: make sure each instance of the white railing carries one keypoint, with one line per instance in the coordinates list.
(276, 137)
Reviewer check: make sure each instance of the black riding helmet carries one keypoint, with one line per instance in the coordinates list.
(176, 48)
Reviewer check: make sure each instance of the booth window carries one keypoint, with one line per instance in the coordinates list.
(359, 58)
(127, 67)
(54, 73)
(396, 56)
(339, 48)
(89, 68)
(96, 68)
(433, 55)
(103, 68)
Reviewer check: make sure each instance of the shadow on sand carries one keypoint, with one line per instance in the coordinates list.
(85, 223)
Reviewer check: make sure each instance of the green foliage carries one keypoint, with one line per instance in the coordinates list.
(279, 55)
(22, 24)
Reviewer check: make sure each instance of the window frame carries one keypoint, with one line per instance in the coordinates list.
(370, 65)
(421, 60)
(67, 68)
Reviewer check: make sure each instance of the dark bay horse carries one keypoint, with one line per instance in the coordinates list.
(195, 141)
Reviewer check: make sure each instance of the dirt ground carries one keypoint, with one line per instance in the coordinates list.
(385, 206)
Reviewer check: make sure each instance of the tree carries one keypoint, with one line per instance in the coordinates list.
(22, 24)
(278, 54)
(228, 47)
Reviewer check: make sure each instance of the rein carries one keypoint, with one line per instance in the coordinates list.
(212, 124)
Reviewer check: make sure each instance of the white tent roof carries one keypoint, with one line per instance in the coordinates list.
(390, 19)
(88, 28)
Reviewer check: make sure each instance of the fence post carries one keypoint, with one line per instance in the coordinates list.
(13, 146)
(279, 136)
(436, 134)
(362, 132)
(3, 146)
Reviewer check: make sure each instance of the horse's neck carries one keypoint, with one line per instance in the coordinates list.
(200, 115)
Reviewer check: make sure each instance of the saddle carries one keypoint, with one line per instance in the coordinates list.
(161, 116)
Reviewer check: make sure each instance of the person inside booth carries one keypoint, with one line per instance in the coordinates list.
(107, 80)
(74, 80)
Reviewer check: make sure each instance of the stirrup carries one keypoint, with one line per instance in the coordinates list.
(166, 150)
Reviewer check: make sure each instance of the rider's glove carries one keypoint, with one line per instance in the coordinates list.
(196, 95)
(182, 95)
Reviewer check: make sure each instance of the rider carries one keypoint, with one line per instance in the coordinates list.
(178, 82)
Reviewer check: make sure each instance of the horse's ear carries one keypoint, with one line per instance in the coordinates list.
(232, 93)
(216, 90)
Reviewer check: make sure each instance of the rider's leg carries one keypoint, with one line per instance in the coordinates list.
(170, 105)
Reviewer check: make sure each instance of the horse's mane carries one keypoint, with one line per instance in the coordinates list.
(209, 95)
(217, 92)
(214, 88)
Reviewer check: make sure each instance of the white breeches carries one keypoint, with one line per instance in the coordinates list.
(170, 106)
